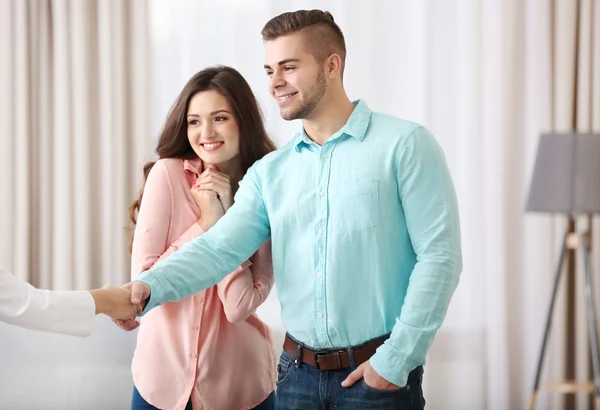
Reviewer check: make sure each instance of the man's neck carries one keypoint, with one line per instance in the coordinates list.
(329, 117)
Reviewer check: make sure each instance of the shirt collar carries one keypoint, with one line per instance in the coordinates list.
(356, 126)
(193, 165)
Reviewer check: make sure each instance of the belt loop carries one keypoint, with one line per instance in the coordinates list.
(352, 359)
(298, 356)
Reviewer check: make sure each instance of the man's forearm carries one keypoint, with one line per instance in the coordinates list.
(193, 268)
(425, 306)
(206, 260)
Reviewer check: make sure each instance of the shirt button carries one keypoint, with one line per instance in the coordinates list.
(325, 155)
(319, 274)
(320, 232)
(322, 193)
(320, 315)
(200, 298)
(196, 327)
(146, 230)
(194, 355)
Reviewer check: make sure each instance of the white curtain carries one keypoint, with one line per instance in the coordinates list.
(487, 78)
(74, 133)
(84, 91)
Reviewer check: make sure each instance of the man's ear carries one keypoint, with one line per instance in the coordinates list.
(333, 66)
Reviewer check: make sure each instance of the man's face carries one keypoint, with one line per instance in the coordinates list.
(296, 79)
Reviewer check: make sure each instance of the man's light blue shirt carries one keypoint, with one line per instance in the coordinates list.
(365, 236)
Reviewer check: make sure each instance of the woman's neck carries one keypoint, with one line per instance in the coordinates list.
(231, 168)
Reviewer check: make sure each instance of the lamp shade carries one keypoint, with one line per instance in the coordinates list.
(566, 176)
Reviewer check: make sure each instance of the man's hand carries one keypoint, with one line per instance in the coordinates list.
(139, 292)
(114, 302)
(372, 378)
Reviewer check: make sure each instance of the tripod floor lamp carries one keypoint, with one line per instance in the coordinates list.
(566, 180)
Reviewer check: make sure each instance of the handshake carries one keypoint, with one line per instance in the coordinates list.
(123, 304)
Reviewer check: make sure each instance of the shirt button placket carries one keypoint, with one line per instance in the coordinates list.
(321, 242)
(195, 336)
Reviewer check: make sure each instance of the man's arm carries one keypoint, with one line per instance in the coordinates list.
(429, 202)
(206, 260)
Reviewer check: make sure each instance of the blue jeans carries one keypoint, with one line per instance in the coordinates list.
(138, 403)
(304, 387)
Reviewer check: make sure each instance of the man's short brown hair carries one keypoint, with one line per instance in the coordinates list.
(324, 35)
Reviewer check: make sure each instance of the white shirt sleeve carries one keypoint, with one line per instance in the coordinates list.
(67, 312)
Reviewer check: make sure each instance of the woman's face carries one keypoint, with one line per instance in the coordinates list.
(212, 129)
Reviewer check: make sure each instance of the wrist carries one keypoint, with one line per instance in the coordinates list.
(205, 224)
(99, 297)
(226, 202)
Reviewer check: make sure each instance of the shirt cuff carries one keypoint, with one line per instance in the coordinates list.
(389, 366)
(156, 291)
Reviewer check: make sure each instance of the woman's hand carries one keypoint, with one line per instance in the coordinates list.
(218, 182)
(211, 209)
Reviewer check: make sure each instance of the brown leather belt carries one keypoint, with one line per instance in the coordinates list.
(337, 359)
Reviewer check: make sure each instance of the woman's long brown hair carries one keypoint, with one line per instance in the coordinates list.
(173, 141)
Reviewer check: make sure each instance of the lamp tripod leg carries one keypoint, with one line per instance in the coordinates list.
(592, 323)
(559, 269)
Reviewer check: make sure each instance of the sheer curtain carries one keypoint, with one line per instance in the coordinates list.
(86, 90)
(74, 133)
(486, 78)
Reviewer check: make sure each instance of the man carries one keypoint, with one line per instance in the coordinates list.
(362, 215)
(67, 312)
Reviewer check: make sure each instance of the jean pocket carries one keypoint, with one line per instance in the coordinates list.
(394, 392)
(284, 368)
(356, 207)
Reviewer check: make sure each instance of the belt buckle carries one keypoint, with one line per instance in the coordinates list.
(337, 353)
(316, 358)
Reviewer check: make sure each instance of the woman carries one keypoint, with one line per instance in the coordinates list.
(208, 351)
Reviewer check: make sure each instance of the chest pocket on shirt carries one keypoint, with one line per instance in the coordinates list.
(358, 206)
